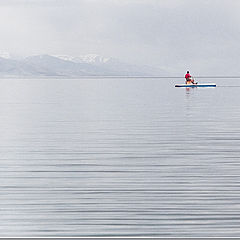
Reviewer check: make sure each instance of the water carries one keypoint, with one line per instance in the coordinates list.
(119, 157)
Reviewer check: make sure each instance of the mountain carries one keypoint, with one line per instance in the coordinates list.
(89, 58)
(67, 66)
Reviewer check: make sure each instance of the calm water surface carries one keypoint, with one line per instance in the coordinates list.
(119, 157)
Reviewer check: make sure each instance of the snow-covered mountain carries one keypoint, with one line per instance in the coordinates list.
(5, 55)
(89, 58)
(68, 66)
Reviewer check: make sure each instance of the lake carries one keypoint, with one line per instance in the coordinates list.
(119, 157)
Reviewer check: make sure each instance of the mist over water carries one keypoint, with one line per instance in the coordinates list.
(119, 157)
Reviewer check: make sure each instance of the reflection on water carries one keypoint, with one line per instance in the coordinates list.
(189, 91)
(118, 158)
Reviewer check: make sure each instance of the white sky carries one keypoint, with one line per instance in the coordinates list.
(202, 36)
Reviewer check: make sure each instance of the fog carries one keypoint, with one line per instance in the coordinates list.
(200, 36)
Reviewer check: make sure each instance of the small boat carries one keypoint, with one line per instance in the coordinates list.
(197, 85)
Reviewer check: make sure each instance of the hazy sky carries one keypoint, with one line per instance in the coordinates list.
(202, 36)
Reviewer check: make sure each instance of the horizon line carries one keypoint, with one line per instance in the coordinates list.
(108, 76)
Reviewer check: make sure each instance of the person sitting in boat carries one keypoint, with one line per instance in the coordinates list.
(189, 79)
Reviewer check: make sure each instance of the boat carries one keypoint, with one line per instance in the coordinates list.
(197, 85)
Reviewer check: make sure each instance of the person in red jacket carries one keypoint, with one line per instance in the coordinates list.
(189, 78)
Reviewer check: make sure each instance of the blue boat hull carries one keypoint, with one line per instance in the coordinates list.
(197, 85)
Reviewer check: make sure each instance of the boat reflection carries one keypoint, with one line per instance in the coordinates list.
(190, 90)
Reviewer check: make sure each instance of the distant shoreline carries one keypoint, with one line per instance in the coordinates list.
(99, 77)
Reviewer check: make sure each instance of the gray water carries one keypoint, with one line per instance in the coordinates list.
(119, 157)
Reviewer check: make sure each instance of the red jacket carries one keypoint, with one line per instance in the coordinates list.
(187, 76)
